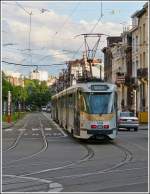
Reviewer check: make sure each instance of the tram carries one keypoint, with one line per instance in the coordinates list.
(87, 110)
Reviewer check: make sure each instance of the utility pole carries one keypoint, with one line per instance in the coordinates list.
(100, 72)
(9, 119)
(30, 14)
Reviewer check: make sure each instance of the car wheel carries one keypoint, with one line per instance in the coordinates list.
(135, 129)
(128, 129)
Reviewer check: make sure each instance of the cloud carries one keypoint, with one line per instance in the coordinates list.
(51, 32)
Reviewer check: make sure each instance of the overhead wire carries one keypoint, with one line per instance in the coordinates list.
(19, 5)
(30, 65)
(72, 12)
(99, 19)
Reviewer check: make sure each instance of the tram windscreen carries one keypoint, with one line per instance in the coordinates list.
(98, 103)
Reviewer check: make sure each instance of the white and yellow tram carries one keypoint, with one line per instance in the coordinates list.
(87, 110)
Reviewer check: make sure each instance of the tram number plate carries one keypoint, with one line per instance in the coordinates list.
(100, 126)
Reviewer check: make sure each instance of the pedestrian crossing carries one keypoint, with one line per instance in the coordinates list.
(35, 132)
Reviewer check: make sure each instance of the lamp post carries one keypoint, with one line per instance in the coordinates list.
(135, 102)
(9, 119)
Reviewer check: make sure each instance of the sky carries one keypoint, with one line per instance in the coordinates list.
(54, 29)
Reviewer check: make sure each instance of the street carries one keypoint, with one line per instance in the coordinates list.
(38, 156)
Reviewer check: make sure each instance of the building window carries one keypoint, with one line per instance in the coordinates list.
(140, 35)
(133, 68)
(143, 59)
(140, 60)
(133, 44)
(136, 67)
(136, 43)
(143, 33)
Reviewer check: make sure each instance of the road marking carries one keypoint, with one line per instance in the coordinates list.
(26, 134)
(53, 186)
(48, 129)
(36, 134)
(48, 134)
(21, 129)
(98, 172)
(35, 129)
(9, 129)
(55, 125)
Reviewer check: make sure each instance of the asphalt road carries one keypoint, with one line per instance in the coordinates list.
(38, 156)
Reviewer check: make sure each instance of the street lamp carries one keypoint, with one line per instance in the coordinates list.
(9, 119)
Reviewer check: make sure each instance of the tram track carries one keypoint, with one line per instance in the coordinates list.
(127, 157)
(16, 141)
(44, 147)
(89, 155)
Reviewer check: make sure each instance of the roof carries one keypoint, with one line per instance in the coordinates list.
(86, 87)
(135, 14)
(140, 12)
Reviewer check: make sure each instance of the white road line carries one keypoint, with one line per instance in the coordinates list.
(55, 125)
(35, 129)
(37, 153)
(98, 172)
(35, 134)
(21, 129)
(48, 129)
(9, 129)
(53, 186)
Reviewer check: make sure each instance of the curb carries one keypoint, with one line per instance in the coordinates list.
(146, 128)
(7, 127)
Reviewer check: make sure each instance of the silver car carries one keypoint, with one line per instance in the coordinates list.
(128, 120)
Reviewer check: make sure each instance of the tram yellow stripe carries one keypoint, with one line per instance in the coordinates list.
(95, 117)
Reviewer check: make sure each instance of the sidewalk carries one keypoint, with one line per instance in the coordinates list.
(143, 126)
(6, 125)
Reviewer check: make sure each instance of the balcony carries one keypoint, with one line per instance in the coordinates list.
(131, 81)
(142, 73)
(120, 78)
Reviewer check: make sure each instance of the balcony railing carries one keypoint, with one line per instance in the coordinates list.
(120, 78)
(142, 73)
(131, 81)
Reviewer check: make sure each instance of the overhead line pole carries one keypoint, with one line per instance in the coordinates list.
(30, 14)
(91, 29)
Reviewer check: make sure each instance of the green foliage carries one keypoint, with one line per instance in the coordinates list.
(34, 92)
(15, 116)
(6, 86)
(38, 93)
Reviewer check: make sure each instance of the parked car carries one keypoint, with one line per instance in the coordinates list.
(43, 108)
(128, 120)
(48, 109)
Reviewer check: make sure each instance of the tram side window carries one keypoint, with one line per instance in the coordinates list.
(82, 103)
(70, 100)
(61, 101)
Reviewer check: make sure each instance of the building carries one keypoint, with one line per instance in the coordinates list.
(140, 60)
(15, 78)
(108, 56)
(39, 75)
(51, 80)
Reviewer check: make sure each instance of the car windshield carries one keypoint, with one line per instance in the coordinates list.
(98, 103)
(127, 114)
